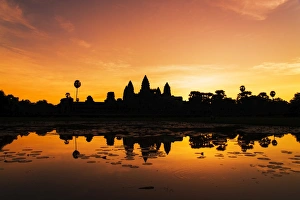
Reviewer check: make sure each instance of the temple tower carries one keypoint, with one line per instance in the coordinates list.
(145, 85)
(167, 90)
(128, 92)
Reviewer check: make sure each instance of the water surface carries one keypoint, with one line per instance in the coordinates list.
(143, 160)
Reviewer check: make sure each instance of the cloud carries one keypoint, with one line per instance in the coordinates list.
(189, 68)
(109, 66)
(65, 24)
(15, 21)
(80, 42)
(255, 9)
(13, 14)
(279, 68)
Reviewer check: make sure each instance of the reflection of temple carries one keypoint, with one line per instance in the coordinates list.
(6, 139)
(150, 145)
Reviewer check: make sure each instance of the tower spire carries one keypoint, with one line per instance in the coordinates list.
(145, 85)
(167, 90)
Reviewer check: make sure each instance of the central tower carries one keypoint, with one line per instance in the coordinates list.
(145, 85)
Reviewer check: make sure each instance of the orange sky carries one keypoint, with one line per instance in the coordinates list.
(203, 45)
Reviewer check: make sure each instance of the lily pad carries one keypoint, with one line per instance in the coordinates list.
(27, 149)
(126, 165)
(201, 157)
(19, 158)
(250, 155)
(232, 156)
(260, 158)
(42, 157)
(296, 162)
(287, 152)
(147, 163)
(24, 161)
(147, 188)
(276, 163)
(36, 151)
(20, 154)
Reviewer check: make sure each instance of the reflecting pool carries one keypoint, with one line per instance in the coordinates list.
(147, 160)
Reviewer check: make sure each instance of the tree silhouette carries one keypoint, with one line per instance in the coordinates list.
(295, 105)
(89, 99)
(219, 95)
(242, 88)
(272, 94)
(77, 85)
(68, 95)
(263, 95)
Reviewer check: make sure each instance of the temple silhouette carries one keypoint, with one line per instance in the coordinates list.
(146, 101)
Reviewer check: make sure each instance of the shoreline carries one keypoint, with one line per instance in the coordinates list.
(262, 121)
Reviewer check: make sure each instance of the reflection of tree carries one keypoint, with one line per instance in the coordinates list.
(6, 139)
(76, 153)
(201, 141)
(264, 142)
(41, 131)
(274, 141)
(245, 143)
(66, 138)
(220, 141)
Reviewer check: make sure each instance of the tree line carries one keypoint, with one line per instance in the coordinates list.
(246, 104)
(199, 104)
(12, 106)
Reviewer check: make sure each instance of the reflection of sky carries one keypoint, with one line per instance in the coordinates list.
(51, 170)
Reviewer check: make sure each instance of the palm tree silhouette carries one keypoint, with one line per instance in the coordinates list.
(68, 95)
(242, 88)
(272, 94)
(77, 84)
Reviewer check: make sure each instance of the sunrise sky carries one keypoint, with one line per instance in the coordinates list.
(203, 45)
